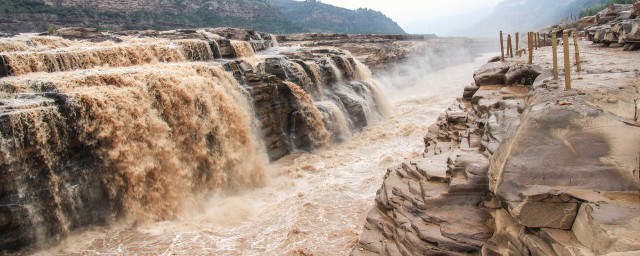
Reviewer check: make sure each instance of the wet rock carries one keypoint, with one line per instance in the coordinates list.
(91, 34)
(469, 91)
(495, 59)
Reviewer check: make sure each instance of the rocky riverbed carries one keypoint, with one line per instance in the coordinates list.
(519, 166)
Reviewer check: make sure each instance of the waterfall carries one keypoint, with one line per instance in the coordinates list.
(19, 63)
(242, 49)
(155, 138)
(336, 120)
(32, 43)
(196, 50)
(92, 133)
(313, 125)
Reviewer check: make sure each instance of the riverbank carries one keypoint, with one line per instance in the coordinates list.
(514, 170)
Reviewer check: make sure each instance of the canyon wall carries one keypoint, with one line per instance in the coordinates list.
(384, 52)
(102, 127)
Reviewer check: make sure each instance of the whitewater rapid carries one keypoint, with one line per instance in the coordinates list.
(313, 203)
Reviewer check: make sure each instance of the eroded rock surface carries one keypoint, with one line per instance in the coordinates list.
(528, 172)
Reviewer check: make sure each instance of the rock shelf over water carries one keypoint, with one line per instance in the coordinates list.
(520, 167)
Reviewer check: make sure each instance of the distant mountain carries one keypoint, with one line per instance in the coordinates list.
(527, 15)
(320, 17)
(280, 16)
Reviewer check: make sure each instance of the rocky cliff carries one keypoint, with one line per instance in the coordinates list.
(616, 26)
(383, 52)
(518, 166)
(273, 17)
(103, 127)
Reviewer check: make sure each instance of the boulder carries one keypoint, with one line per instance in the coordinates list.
(491, 74)
(522, 74)
(608, 228)
(576, 146)
(494, 59)
(634, 34)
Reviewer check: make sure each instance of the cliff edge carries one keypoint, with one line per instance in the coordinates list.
(519, 166)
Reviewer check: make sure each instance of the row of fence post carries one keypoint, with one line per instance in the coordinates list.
(534, 42)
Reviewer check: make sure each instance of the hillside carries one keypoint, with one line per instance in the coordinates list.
(263, 15)
(319, 17)
(526, 15)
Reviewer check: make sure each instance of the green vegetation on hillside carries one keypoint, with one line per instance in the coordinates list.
(605, 3)
(271, 21)
(273, 16)
(319, 17)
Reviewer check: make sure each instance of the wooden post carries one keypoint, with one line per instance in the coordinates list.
(544, 43)
(517, 41)
(535, 41)
(510, 46)
(577, 48)
(501, 46)
(554, 45)
(530, 47)
(567, 63)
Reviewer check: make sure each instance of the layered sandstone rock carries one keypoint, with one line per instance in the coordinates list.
(616, 26)
(520, 172)
(380, 52)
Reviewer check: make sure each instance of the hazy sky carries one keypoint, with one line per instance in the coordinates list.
(443, 17)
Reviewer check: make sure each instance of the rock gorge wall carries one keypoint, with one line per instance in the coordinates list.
(383, 52)
(512, 171)
(616, 26)
(133, 126)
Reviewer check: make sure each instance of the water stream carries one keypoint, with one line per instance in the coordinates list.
(312, 203)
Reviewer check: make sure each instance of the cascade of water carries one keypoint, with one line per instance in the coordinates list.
(32, 43)
(334, 70)
(336, 120)
(299, 75)
(196, 50)
(344, 65)
(215, 49)
(312, 70)
(274, 40)
(363, 73)
(155, 137)
(19, 63)
(312, 126)
(242, 49)
(135, 138)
